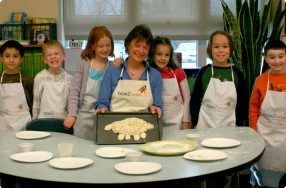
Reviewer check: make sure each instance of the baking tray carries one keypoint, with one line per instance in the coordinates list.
(108, 137)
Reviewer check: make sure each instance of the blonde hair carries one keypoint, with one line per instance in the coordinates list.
(52, 43)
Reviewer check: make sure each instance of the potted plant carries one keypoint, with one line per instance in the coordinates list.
(250, 29)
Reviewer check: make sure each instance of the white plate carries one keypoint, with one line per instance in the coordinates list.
(113, 152)
(169, 147)
(32, 134)
(70, 162)
(205, 155)
(32, 157)
(137, 168)
(220, 142)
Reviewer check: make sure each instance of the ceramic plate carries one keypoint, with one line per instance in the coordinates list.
(112, 152)
(169, 147)
(70, 162)
(220, 142)
(205, 155)
(32, 134)
(137, 168)
(32, 157)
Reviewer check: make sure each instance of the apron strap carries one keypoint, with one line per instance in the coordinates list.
(19, 75)
(231, 72)
(91, 63)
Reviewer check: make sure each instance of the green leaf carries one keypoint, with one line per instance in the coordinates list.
(250, 29)
(236, 37)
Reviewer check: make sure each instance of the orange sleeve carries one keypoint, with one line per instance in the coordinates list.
(256, 99)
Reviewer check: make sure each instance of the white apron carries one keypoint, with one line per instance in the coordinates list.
(218, 104)
(131, 96)
(14, 110)
(173, 109)
(271, 125)
(84, 125)
(54, 99)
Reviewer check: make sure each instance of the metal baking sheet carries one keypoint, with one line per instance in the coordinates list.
(108, 137)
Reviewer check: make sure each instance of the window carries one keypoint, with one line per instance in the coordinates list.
(189, 52)
(185, 22)
(177, 19)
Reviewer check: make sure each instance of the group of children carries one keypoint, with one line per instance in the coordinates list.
(218, 98)
(24, 98)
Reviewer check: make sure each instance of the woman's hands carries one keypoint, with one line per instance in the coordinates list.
(155, 109)
(100, 110)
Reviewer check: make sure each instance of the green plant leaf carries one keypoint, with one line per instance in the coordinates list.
(234, 27)
(250, 29)
(277, 23)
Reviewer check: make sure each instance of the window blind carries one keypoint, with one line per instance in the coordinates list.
(176, 19)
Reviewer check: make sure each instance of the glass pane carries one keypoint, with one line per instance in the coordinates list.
(216, 7)
(209, 61)
(119, 49)
(99, 7)
(166, 7)
(188, 48)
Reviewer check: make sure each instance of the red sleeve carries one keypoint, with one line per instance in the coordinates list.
(180, 74)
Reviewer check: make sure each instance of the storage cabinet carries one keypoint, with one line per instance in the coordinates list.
(29, 36)
(29, 33)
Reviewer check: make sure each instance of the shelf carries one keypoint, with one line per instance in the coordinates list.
(32, 46)
(28, 32)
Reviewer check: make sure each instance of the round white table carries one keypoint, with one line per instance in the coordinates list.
(175, 169)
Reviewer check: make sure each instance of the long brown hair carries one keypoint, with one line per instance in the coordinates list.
(163, 41)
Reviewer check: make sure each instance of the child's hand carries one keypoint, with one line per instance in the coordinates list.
(117, 62)
(69, 122)
(186, 125)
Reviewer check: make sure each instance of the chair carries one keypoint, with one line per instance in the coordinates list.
(265, 178)
(48, 124)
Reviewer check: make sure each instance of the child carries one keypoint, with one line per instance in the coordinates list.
(87, 80)
(218, 96)
(267, 107)
(176, 93)
(16, 89)
(52, 85)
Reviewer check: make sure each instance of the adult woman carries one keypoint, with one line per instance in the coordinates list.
(134, 86)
